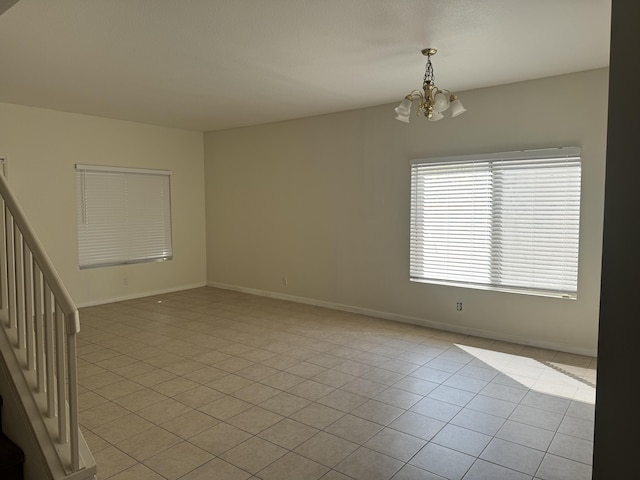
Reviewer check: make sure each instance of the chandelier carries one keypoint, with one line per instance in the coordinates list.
(433, 100)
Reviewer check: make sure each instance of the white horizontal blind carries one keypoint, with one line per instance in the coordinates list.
(505, 221)
(124, 215)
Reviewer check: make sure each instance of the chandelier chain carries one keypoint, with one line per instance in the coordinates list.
(429, 78)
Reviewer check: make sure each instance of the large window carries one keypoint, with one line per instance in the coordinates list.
(507, 221)
(124, 215)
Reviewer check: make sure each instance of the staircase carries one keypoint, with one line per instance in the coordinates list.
(38, 327)
(11, 457)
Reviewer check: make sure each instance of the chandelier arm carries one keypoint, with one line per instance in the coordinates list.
(422, 100)
(413, 94)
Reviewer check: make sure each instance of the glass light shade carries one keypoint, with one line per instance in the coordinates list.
(457, 108)
(404, 108)
(440, 102)
(403, 118)
(435, 116)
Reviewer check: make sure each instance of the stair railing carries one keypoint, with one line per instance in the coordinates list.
(42, 321)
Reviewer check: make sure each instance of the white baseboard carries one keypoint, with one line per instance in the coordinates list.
(412, 320)
(133, 296)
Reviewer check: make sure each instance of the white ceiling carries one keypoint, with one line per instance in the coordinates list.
(214, 64)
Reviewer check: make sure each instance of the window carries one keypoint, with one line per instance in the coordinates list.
(124, 215)
(507, 221)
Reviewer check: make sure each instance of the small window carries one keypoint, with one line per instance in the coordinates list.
(507, 221)
(124, 215)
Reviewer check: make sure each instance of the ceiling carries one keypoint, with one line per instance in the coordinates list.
(215, 64)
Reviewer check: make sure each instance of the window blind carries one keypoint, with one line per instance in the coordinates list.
(505, 221)
(124, 215)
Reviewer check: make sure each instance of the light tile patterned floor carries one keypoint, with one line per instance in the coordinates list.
(213, 384)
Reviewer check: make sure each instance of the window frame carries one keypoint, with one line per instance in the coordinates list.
(572, 156)
(128, 240)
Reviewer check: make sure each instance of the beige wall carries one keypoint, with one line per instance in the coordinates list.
(322, 200)
(325, 201)
(43, 146)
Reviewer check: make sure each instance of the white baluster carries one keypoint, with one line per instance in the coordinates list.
(39, 326)
(11, 270)
(48, 340)
(61, 376)
(28, 284)
(73, 320)
(19, 266)
(3, 257)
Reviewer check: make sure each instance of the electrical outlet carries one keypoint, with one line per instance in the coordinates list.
(458, 306)
(125, 281)
(285, 280)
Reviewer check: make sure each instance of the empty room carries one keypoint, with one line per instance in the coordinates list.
(339, 240)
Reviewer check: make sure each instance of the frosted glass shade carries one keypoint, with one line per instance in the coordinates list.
(404, 109)
(440, 102)
(457, 108)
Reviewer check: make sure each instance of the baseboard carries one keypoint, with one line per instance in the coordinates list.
(133, 296)
(411, 320)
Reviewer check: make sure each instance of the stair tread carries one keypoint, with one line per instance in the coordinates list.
(10, 453)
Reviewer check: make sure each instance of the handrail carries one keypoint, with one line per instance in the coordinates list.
(39, 254)
(43, 322)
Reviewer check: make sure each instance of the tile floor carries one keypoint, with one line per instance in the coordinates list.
(211, 384)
